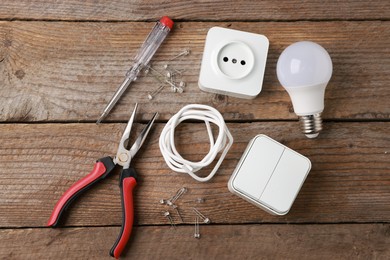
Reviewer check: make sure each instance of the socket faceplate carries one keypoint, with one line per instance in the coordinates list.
(233, 63)
(228, 63)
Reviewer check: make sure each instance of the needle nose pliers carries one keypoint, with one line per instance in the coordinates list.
(128, 180)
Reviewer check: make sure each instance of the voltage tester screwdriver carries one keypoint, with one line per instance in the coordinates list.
(145, 54)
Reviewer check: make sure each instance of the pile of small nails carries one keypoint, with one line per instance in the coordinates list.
(171, 203)
(168, 77)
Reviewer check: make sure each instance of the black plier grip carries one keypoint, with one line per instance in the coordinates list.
(102, 168)
(128, 180)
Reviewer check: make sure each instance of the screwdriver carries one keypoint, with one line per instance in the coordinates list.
(143, 57)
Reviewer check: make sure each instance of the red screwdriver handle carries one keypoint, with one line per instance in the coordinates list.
(128, 181)
(101, 169)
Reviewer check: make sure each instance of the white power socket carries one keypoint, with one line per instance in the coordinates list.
(233, 63)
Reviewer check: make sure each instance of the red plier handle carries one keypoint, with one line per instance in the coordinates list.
(128, 180)
(102, 168)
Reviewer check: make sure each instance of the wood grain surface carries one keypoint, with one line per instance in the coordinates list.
(346, 241)
(69, 71)
(122, 10)
(349, 181)
(60, 63)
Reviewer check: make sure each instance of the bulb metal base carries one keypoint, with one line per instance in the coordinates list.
(311, 125)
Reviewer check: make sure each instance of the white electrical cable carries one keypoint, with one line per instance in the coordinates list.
(167, 140)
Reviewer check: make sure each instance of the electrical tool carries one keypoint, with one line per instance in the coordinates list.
(145, 54)
(103, 167)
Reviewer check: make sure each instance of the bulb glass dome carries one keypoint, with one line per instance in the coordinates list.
(304, 64)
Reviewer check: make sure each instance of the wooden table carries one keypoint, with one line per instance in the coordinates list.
(60, 62)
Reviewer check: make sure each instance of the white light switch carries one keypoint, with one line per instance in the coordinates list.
(257, 167)
(269, 175)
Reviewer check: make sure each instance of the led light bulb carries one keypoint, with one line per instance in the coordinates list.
(304, 69)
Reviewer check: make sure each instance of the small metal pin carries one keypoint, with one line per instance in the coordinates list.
(172, 71)
(197, 200)
(197, 233)
(154, 93)
(168, 81)
(178, 194)
(169, 217)
(183, 53)
(174, 88)
(178, 212)
(200, 200)
(205, 220)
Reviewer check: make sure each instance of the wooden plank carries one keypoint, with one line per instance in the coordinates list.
(344, 241)
(120, 10)
(69, 71)
(349, 181)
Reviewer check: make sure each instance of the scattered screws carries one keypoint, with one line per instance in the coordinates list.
(169, 217)
(197, 233)
(205, 220)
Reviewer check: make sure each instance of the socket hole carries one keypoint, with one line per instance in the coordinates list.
(225, 59)
(234, 61)
(243, 62)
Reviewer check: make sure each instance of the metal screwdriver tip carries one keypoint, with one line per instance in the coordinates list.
(103, 115)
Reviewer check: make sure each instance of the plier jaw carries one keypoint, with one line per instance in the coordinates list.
(124, 155)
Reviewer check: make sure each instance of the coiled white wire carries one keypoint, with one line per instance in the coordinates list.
(223, 142)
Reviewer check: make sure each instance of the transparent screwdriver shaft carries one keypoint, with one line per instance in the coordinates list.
(143, 57)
